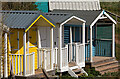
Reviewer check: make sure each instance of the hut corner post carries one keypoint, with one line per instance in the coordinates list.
(83, 38)
(60, 49)
(113, 40)
(24, 56)
(52, 54)
(5, 56)
(91, 44)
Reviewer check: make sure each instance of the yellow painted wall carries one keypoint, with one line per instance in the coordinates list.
(33, 42)
(13, 44)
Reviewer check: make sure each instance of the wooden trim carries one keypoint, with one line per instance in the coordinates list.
(52, 45)
(113, 40)
(37, 20)
(70, 58)
(5, 55)
(60, 49)
(24, 56)
(91, 44)
(103, 12)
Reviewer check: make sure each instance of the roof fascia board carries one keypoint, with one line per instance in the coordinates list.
(103, 12)
(72, 18)
(40, 16)
(96, 19)
(110, 18)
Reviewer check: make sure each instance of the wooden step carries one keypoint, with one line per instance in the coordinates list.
(110, 70)
(77, 71)
(106, 63)
(71, 64)
(103, 61)
(39, 73)
(107, 67)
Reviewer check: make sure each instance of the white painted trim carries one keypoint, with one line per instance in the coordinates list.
(99, 17)
(77, 53)
(70, 56)
(51, 39)
(83, 31)
(39, 38)
(72, 18)
(28, 43)
(91, 44)
(113, 40)
(28, 69)
(110, 18)
(72, 73)
(24, 56)
(39, 45)
(103, 17)
(5, 56)
(96, 19)
(33, 69)
(60, 49)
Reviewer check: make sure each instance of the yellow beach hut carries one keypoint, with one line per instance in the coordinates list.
(26, 31)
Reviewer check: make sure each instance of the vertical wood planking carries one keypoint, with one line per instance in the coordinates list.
(15, 65)
(5, 56)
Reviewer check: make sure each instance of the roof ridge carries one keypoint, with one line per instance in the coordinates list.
(20, 11)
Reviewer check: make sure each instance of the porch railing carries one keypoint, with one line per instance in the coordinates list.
(45, 59)
(30, 59)
(65, 56)
(55, 56)
(76, 53)
(71, 52)
(80, 54)
(16, 63)
(1, 62)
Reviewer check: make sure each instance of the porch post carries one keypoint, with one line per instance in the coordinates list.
(70, 54)
(24, 56)
(83, 31)
(39, 41)
(52, 54)
(113, 40)
(83, 37)
(60, 49)
(39, 46)
(5, 56)
(91, 44)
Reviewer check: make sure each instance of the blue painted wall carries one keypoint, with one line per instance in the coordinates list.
(66, 34)
(42, 6)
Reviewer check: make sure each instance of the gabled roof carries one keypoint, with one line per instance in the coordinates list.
(88, 16)
(58, 17)
(22, 19)
(74, 4)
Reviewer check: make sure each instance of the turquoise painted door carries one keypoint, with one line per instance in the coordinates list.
(66, 34)
(104, 47)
